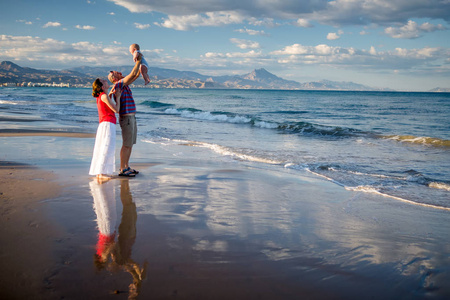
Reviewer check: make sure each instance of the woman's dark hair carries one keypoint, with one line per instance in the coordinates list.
(97, 88)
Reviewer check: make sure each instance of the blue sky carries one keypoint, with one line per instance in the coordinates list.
(398, 44)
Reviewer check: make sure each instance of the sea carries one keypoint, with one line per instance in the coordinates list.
(396, 144)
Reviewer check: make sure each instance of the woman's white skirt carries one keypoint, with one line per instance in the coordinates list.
(103, 158)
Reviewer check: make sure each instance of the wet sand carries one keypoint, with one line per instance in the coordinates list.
(26, 231)
(193, 227)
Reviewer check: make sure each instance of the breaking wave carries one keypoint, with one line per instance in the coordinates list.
(304, 128)
(419, 140)
(156, 104)
(301, 127)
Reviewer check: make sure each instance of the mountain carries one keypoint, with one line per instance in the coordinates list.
(261, 78)
(440, 90)
(257, 79)
(153, 71)
(338, 86)
(169, 78)
(10, 72)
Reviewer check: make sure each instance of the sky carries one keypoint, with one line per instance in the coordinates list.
(397, 44)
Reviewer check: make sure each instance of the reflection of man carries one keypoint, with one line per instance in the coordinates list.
(127, 114)
(127, 237)
(112, 254)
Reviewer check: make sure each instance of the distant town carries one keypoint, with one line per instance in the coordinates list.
(38, 84)
(13, 75)
(155, 84)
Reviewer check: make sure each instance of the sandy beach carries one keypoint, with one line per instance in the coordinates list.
(190, 227)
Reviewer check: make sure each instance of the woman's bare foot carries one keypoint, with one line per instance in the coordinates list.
(101, 178)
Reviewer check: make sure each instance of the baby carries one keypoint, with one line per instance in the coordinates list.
(134, 50)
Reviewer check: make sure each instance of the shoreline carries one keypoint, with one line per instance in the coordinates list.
(202, 228)
(34, 132)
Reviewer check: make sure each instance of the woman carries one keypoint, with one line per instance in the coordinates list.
(103, 159)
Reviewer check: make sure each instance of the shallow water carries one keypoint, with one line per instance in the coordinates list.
(394, 144)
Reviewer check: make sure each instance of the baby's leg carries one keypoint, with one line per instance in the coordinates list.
(144, 72)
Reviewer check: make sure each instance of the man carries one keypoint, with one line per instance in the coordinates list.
(127, 114)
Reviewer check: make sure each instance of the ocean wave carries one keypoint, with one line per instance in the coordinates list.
(235, 153)
(431, 141)
(8, 102)
(156, 104)
(303, 128)
(264, 124)
(210, 116)
(373, 190)
(409, 188)
(235, 97)
(240, 154)
(288, 112)
(440, 186)
(319, 130)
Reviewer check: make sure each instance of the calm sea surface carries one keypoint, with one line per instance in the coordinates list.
(396, 144)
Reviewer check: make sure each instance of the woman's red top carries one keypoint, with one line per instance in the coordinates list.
(105, 114)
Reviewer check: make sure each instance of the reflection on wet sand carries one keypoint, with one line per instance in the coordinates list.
(111, 254)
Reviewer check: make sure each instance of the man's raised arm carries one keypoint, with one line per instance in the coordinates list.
(130, 78)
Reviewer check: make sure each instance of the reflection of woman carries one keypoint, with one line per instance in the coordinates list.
(111, 254)
(103, 158)
(105, 209)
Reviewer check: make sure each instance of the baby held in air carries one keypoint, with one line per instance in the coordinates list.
(135, 51)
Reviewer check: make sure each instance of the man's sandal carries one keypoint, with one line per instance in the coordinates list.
(127, 172)
(132, 171)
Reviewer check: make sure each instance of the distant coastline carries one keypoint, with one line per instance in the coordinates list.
(86, 86)
(13, 75)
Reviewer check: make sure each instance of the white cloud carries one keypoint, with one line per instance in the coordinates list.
(381, 12)
(141, 26)
(52, 24)
(245, 44)
(252, 32)
(50, 53)
(295, 49)
(267, 22)
(54, 54)
(112, 13)
(58, 54)
(209, 19)
(427, 59)
(337, 12)
(423, 53)
(303, 23)
(250, 54)
(85, 27)
(412, 30)
(332, 36)
(25, 21)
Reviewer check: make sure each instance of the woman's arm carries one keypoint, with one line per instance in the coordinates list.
(115, 107)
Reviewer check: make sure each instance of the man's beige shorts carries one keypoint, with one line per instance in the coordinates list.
(129, 130)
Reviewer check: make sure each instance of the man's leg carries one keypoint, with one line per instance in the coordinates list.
(129, 136)
(125, 153)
